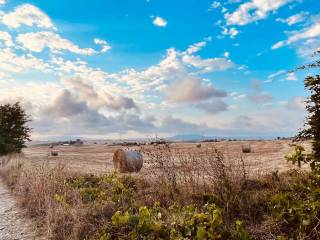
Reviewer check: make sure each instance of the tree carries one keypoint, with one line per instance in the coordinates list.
(312, 123)
(14, 132)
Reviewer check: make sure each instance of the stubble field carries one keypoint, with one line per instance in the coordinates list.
(266, 156)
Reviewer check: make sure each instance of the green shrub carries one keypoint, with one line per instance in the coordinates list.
(298, 211)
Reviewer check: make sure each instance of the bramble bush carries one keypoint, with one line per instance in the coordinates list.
(299, 211)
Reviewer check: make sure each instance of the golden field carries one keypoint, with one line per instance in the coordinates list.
(266, 156)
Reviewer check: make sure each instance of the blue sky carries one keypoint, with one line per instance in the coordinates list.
(142, 68)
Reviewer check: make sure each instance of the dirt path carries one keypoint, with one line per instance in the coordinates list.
(12, 225)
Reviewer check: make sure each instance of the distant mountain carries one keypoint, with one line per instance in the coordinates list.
(198, 138)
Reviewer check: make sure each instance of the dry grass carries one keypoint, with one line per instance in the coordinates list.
(73, 205)
(266, 156)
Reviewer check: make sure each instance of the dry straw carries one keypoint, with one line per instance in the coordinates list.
(246, 148)
(127, 161)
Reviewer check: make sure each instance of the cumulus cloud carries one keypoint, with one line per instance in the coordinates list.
(91, 100)
(2, 2)
(196, 47)
(159, 22)
(205, 65)
(176, 65)
(98, 99)
(308, 32)
(38, 41)
(215, 5)
(28, 15)
(307, 48)
(232, 32)
(72, 114)
(208, 65)
(10, 62)
(26, 94)
(254, 10)
(105, 47)
(191, 89)
(6, 38)
(213, 107)
(294, 19)
(65, 105)
(297, 103)
(291, 77)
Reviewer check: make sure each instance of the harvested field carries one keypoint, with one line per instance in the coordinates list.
(266, 156)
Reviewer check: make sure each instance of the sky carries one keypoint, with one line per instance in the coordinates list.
(145, 68)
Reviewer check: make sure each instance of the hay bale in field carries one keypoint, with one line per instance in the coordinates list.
(127, 161)
(199, 145)
(246, 148)
(54, 153)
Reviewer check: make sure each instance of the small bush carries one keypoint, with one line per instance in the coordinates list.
(298, 210)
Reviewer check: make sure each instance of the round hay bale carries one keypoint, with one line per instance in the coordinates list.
(246, 148)
(54, 154)
(127, 161)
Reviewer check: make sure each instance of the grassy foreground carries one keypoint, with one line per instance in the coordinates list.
(223, 204)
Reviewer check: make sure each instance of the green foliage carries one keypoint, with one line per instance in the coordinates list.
(241, 233)
(176, 222)
(298, 157)
(13, 130)
(133, 221)
(299, 210)
(312, 123)
(93, 189)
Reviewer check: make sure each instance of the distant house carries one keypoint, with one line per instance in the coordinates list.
(78, 142)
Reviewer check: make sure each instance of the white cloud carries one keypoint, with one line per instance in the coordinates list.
(92, 91)
(253, 10)
(26, 93)
(272, 76)
(97, 98)
(213, 107)
(215, 5)
(2, 2)
(237, 96)
(191, 89)
(294, 19)
(307, 48)
(194, 48)
(291, 77)
(160, 22)
(208, 65)
(232, 32)
(176, 65)
(28, 15)
(309, 32)
(38, 41)
(104, 44)
(297, 103)
(10, 62)
(6, 38)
